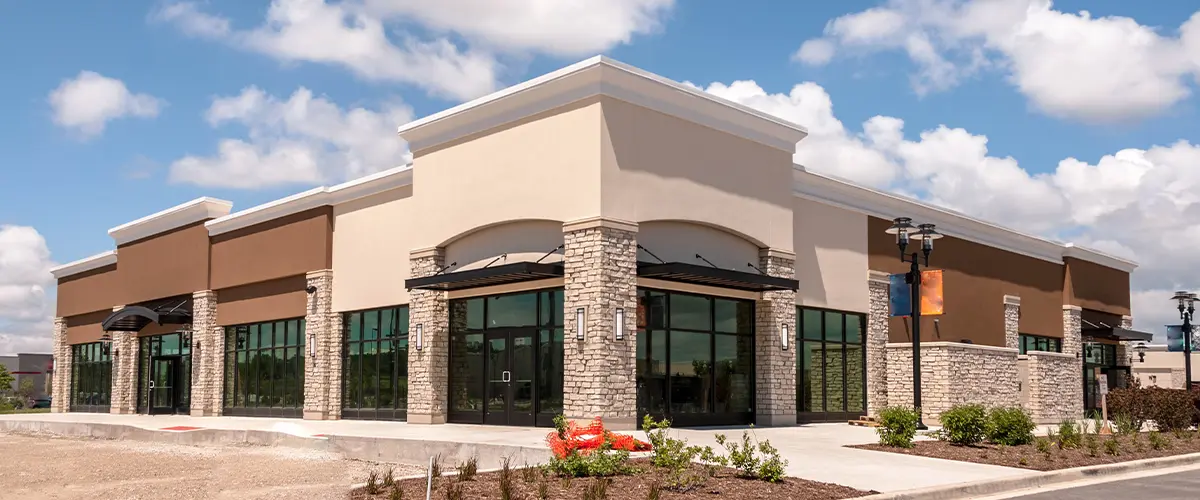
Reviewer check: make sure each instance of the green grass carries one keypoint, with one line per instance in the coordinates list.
(27, 410)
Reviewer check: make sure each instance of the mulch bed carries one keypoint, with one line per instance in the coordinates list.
(635, 486)
(1130, 447)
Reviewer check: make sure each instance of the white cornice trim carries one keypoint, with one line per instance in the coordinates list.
(85, 264)
(601, 76)
(845, 194)
(313, 198)
(177, 216)
(1097, 257)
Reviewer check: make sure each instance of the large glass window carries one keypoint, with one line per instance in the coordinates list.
(830, 365)
(166, 359)
(695, 358)
(91, 377)
(375, 364)
(1039, 343)
(264, 369)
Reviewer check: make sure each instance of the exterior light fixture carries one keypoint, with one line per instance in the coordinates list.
(1186, 309)
(783, 336)
(580, 317)
(312, 345)
(419, 341)
(905, 232)
(1141, 352)
(619, 331)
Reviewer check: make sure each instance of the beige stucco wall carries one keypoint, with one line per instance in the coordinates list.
(372, 238)
(658, 167)
(544, 167)
(1160, 363)
(675, 241)
(831, 256)
(523, 241)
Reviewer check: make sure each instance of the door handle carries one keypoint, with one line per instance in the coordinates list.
(506, 376)
(151, 384)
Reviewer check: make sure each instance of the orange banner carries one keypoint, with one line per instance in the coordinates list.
(932, 303)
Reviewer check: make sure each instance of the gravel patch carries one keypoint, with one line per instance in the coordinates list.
(44, 467)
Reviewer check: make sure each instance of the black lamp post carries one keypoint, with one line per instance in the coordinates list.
(904, 230)
(1186, 309)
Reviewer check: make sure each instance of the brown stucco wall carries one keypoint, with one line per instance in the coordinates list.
(265, 301)
(84, 328)
(287, 246)
(87, 291)
(975, 280)
(165, 265)
(1092, 286)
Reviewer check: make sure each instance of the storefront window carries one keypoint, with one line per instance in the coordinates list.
(1039, 343)
(91, 377)
(830, 365)
(167, 361)
(264, 367)
(375, 364)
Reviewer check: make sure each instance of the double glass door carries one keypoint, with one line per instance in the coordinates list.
(510, 374)
(164, 385)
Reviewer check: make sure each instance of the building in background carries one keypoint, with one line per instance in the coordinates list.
(33, 367)
(598, 241)
(1162, 368)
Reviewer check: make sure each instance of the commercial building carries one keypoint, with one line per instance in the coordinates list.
(29, 366)
(598, 241)
(1158, 367)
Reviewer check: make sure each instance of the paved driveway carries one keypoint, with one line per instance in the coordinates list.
(38, 468)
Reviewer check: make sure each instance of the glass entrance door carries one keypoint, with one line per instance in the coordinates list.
(510, 375)
(164, 386)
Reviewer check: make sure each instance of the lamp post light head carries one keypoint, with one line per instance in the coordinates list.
(1186, 302)
(903, 228)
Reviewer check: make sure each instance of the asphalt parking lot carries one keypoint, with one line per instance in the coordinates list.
(43, 467)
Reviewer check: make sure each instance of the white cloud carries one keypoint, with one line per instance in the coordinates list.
(368, 36)
(24, 278)
(1138, 203)
(304, 139)
(1071, 65)
(86, 103)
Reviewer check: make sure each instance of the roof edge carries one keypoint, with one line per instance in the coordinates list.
(85, 264)
(317, 197)
(1097, 257)
(191, 212)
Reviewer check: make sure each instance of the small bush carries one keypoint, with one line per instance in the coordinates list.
(654, 492)
(543, 490)
(1042, 444)
(453, 491)
(506, 480)
(588, 451)
(397, 493)
(468, 469)
(1010, 426)
(897, 426)
(598, 490)
(529, 474)
(1069, 437)
(1092, 443)
(436, 469)
(1169, 409)
(665, 450)
(1158, 441)
(373, 483)
(1112, 446)
(742, 457)
(1125, 424)
(965, 424)
(389, 478)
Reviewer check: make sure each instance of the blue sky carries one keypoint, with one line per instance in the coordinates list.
(1018, 89)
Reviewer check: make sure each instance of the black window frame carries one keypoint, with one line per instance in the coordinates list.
(802, 392)
(149, 347)
(1040, 343)
(231, 402)
(357, 410)
(91, 369)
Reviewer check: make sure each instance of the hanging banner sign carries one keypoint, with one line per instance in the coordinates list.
(899, 296)
(932, 300)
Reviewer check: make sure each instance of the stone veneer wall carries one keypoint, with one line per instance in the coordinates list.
(952, 374)
(1049, 398)
(208, 353)
(1012, 321)
(1072, 345)
(600, 275)
(876, 343)
(775, 394)
(427, 367)
(322, 372)
(125, 365)
(60, 385)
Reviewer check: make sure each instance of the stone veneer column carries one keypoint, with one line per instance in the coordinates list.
(428, 378)
(124, 350)
(876, 342)
(322, 372)
(1073, 344)
(775, 380)
(208, 356)
(1012, 322)
(60, 385)
(1124, 349)
(600, 275)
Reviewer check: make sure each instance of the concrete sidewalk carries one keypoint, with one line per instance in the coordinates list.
(815, 452)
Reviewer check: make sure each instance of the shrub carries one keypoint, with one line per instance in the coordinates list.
(389, 478)
(1068, 435)
(897, 426)
(1042, 444)
(397, 493)
(1125, 424)
(373, 483)
(467, 470)
(453, 491)
(506, 480)
(588, 451)
(965, 424)
(667, 451)
(598, 490)
(1010, 426)
(742, 457)
(1158, 441)
(1170, 409)
(1112, 446)
(1092, 443)
(543, 490)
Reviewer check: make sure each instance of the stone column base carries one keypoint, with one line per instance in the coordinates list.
(425, 419)
(610, 423)
(318, 415)
(204, 413)
(122, 411)
(775, 420)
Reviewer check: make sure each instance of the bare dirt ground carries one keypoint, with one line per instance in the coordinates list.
(43, 468)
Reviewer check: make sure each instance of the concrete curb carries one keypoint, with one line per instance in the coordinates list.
(1036, 479)
(368, 448)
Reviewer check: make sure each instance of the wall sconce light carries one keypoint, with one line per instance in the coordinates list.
(783, 336)
(419, 340)
(312, 345)
(620, 327)
(580, 317)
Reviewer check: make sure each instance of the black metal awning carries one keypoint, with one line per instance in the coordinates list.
(714, 276)
(134, 318)
(487, 276)
(1119, 334)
